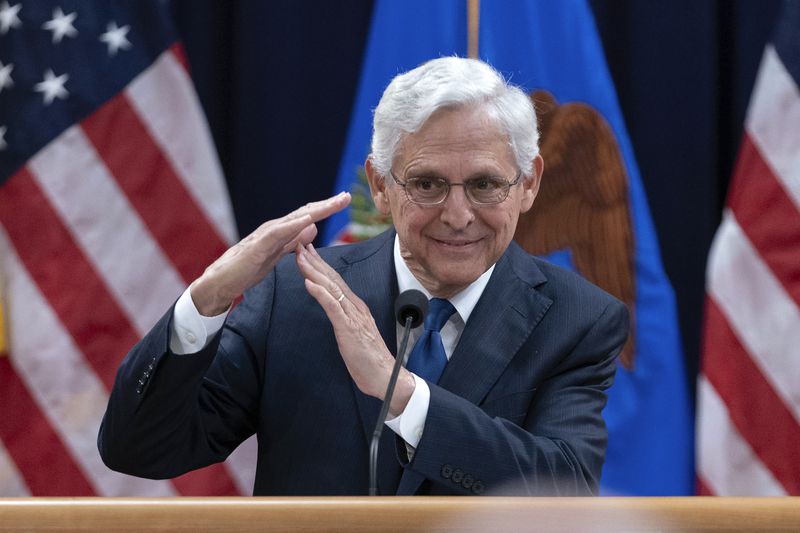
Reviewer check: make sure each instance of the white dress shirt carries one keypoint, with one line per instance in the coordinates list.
(191, 332)
(411, 421)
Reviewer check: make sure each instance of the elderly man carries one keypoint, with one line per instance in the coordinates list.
(510, 399)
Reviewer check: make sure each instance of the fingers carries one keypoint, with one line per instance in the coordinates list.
(330, 296)
(283, 234)
(285, 231)
(328, 303)
(323, 208)
(363, 351)
(316, 270)
(247, 262)
(331, 274)
(286, 235)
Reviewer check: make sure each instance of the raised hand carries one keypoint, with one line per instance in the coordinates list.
(365, 354)
(247, 262)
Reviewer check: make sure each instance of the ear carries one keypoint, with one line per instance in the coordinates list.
(377, 187)
(530, 185)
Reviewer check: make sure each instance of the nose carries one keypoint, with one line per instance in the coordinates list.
(457, 210)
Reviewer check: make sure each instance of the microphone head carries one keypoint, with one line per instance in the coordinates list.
(411, 303)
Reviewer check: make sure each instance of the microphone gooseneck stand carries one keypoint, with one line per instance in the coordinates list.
(410, 308)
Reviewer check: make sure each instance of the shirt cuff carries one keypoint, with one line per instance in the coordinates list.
(410, 423)
(190, 330)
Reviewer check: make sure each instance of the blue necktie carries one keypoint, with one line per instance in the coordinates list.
(428, 358)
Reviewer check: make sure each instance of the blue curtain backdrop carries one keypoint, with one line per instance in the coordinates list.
(279, 80)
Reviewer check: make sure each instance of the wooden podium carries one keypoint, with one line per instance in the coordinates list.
(492, 514)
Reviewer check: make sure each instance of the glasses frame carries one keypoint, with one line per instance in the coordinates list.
(449, 185)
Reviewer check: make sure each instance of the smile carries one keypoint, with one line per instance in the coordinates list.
(455, 243)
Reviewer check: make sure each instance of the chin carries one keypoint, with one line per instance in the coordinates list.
(459, 280)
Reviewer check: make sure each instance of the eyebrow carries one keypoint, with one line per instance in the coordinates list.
(438, 175)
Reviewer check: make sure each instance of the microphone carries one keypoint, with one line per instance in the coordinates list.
(409, 308)
(411, 304)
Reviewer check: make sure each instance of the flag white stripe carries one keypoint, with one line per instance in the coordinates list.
(11, 482)
(773, 121)
(67, 390)
(107, 228)
(241, 465)
(764, 317)
(163, 95)
(726, 462)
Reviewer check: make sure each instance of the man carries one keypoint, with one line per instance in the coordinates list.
(305, 358)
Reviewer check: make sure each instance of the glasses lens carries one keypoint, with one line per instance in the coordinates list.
(488, 190)
(426, 190)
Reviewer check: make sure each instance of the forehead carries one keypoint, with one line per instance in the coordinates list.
(457, 136)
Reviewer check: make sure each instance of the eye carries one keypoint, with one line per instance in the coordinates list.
(486, 184)
(424, 184)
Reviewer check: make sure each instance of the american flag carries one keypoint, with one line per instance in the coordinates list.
(111, 202)
(748, 426)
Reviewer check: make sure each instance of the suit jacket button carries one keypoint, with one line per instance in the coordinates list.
(468, 481)
(477, 487)
(447, 471)
(458, 475)
(138, 390)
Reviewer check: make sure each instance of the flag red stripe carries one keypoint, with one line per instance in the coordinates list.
(41, 457)
(72, 287)
(701, 489)
(758, 413)
(767, 215)
(87, 310)
(212, 480)
(179, 52)
(183, 230)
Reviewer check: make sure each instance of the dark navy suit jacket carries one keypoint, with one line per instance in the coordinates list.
(517, 410)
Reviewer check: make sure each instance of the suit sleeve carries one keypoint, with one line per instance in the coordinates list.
(557, 444)
(168, 414)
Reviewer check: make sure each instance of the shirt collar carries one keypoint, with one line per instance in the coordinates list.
(464, 301)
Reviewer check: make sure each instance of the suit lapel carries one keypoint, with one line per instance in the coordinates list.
(506, 314)
(369, 272)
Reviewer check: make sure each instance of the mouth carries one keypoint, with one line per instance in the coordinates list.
(455, 244)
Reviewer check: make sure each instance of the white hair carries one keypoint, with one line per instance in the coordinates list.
(448, 82)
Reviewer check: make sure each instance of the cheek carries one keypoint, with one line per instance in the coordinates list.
(503, 223)
(503, 226)
(412, 219)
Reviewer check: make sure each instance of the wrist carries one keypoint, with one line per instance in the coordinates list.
(205, 301)
(402, 392)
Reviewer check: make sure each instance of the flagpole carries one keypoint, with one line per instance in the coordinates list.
(473, 16)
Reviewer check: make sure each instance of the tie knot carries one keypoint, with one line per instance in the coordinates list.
(439, 311)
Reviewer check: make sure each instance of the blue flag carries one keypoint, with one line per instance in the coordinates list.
(552, 46)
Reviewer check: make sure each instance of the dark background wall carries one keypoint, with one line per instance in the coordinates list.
(277, 80)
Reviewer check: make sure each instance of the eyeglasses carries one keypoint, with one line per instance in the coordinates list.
(487, 190)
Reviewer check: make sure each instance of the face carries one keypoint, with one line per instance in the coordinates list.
(448, 246)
